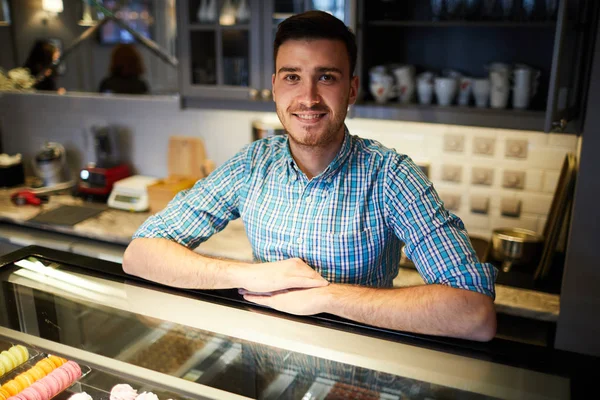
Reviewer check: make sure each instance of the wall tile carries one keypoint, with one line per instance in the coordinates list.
(566, 141)
(550, 181)
(534, 180)
(547, 158)
(525, 222)
(535, 203)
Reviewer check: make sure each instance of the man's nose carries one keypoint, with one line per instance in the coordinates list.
(310, 94)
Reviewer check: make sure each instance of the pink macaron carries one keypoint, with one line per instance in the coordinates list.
(63, 377)
(73, 368)
(55, 384)
(41, 389)
(30, 394)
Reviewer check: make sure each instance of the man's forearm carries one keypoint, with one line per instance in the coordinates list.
(169, 263)
(430, 309)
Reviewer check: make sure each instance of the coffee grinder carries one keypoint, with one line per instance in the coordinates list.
(97, 178)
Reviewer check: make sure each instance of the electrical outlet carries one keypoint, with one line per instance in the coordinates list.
(516, 148)
(451, 201)
(480, 204)
(484, 146)
(482, 176)
(513, 179)
(452, 173)
(454, 143)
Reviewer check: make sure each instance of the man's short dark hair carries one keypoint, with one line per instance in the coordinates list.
(316, 25)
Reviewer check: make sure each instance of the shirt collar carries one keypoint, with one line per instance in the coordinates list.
(336, 163)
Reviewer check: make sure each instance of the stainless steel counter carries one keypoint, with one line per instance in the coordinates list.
(230, 347)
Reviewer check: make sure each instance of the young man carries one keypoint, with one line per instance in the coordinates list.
(325, 211)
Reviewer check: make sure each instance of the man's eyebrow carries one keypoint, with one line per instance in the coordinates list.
(318, 69)
(289, 69)
(329, 69)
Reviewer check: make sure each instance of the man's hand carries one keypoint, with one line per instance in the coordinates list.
(293, 301)
(279, 275)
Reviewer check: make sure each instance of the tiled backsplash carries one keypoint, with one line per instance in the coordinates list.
(489, 177)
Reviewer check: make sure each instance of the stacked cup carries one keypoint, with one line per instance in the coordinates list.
(381, 84)
(500, 84)
(405, 82)
(525, 85)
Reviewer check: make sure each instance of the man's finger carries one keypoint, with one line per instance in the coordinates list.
(302, 282)
(262, 300)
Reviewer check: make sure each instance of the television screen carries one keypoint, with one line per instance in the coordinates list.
(135, 13)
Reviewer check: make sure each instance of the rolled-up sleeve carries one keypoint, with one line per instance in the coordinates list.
(195, 214)
(435, 239)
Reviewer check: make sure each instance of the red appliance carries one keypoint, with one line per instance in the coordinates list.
(97, 181)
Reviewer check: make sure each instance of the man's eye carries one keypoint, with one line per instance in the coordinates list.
(327, 78)
(291, 78)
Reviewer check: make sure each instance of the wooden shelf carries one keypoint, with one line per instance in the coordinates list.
(455, 115)
(465, 24)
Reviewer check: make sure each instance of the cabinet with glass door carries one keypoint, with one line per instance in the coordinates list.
(497, 63)
(226, 47)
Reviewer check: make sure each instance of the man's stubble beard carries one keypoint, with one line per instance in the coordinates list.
(314, 140)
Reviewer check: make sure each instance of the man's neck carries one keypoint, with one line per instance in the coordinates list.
(313, 160)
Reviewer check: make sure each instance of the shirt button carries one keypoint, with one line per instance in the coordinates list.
(299, 240)
(328, 180)
(308, 199)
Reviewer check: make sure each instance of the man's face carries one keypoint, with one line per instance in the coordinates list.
(312, 89)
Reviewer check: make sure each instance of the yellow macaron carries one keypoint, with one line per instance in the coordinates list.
(57, 361)
(12, 387)
(24, 380)
(20, 352)
(46, 365)
(37, 372)
(8, 360)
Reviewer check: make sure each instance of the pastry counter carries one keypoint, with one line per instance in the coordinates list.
(106, 235)
(212, 344)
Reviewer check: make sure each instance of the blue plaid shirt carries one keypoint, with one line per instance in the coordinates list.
(348, 223)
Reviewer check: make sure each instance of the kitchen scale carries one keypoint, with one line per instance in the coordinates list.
(131, 193)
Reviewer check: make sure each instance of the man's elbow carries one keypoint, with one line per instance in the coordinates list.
(131, 258)
(484, 322)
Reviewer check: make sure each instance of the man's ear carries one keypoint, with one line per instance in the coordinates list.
(273, 86)
(354, 82)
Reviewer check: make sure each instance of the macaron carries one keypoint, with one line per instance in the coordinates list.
(24, 380)
(57, 361)
(20, 352)
(41, 389)
(37, 372)
(54, 384)
(46, 365)
(31, 377)
(63, 377)
(12, 387)
(73, 369)
(30, 394)
(8, 360)
(4, 392)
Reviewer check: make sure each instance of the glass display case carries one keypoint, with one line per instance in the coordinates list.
(201, 344)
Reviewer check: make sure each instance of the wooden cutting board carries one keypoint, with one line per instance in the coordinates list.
(187, 157)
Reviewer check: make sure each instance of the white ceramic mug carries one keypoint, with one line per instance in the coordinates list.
(445, 90)
(525, 85)
(500, 90)
(382, 88)
(481, 92)
(425, 87)
(464, 90)
(405, 82)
